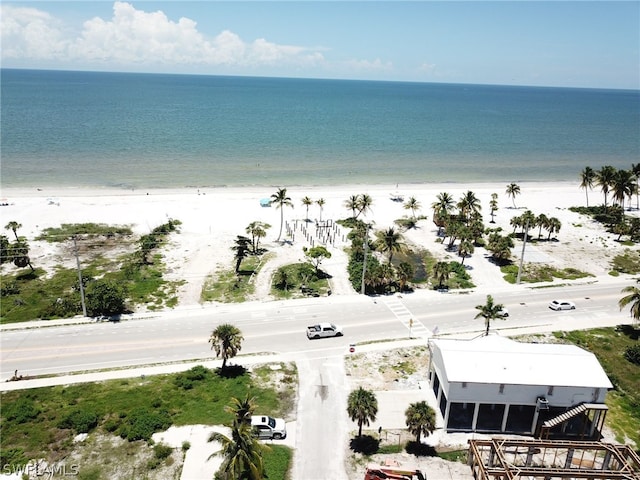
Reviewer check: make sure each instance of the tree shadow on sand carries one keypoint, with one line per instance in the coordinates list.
(421, 450)
(366, 444)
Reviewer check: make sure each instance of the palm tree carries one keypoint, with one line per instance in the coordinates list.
(553, 225)
(469, 205)
(307, 202)
(632, 298)
(242, 250)
(489, 311)
(405, 273)
(420, 419)
(442, 208)
(13, 226)
(243, 453)
(623, 185)
(257, 230)
(465, 248)
(587, 177)
(226, 340)
(362, 407)
(513, 189)
(542, 221)
(635, 168)
(441, 273)
(390, 241)
(320, 203)
(352, 204)
(280, 199)
(493, 205)
(604, 179)
(364, 204)
(412, 204)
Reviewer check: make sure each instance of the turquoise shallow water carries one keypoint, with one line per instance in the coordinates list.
(171, 131)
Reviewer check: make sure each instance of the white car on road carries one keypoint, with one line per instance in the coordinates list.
(562, 305)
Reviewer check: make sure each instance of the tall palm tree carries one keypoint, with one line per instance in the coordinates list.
(307, 202)
(281, 200)
(362, 407)
(513, 189)
(623, 185)
(226, 340)
(635, 168)
(441, 273)
(469, 205)
(493, 205)
(390, 241)
(13, 226)
(442, 208)
(604, 179)
(352, 204)
(412, 204)
(320, 202)
(542, 221)
(420, 419)
(587, 177)
(257, 230)
(632, 298)
(489, 311)
(364, 204)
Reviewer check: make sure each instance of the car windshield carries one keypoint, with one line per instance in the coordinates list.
(272, 422)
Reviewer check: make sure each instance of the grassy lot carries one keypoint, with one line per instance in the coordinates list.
(609, 345)
(534, 273)
(41, 423)
(299, 280)
(231, 287)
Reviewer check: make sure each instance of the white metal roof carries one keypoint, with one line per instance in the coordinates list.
(498, 360)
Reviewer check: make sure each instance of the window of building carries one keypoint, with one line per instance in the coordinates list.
(550, 391)
(501, 388)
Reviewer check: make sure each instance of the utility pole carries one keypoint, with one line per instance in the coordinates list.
(364, 260)
(524, 243)
(75, 250)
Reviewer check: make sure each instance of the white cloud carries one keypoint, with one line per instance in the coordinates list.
(30, 33)
(137, 38)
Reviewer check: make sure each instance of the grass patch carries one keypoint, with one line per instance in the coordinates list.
(41, 423)
(277, 461)
(460, 456)
(41, 294)
(535, 273)
(628, 262)
(299, 280)
(231, 287)
(609, 345)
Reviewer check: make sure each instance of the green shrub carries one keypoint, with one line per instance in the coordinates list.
(141, 424)
(632, 354)
(80, 420)
(162, 451)
(185, 380)
(20, 411)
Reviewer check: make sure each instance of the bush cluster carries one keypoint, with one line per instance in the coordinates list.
(632, 354)
(80, 420)
(141, 424)
(185, 380)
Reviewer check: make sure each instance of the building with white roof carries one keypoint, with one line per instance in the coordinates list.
(494, 384)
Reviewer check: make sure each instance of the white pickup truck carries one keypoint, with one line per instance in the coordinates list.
(322, 330)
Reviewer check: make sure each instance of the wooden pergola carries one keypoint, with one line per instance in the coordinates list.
(510, 459)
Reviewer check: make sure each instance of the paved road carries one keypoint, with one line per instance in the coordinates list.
(278, 328)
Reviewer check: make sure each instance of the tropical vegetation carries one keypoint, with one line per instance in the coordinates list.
(362, 407)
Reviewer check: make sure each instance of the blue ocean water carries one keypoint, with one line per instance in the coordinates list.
(152, 130)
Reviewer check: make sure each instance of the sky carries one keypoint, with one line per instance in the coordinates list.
(592, 44)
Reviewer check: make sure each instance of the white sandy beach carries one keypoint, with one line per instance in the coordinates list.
(212, 218)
